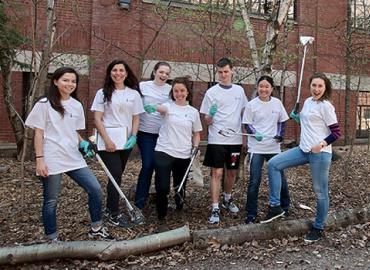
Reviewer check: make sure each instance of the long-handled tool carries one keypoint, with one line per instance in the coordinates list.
(230, 132)
(178, 193)
(305, 40)
(135, 213)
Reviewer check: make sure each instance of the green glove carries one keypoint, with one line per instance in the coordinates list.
(130, 142)
(258, 136)
(150, 108)
(212, 110)
(295, 116)
(86, 148)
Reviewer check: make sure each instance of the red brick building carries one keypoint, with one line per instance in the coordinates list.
(90, 33)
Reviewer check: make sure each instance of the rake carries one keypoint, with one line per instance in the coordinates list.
(228, 132)
(135, 214)
(305, 40)
(178, 193)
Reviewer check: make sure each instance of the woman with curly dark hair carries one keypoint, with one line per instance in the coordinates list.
(117, 107)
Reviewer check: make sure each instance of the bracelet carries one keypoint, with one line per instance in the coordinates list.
(39, 157)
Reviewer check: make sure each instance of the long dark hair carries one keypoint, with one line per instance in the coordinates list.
(185, 81)
(53, 95)
(130, 80)
(157, 66)
(328, 87)
(269, 79)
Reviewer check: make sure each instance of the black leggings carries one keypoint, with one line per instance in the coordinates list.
(116, 163)
(164, 165)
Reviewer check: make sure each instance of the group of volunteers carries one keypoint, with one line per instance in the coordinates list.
(159, 118)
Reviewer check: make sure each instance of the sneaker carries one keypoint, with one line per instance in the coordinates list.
(119, 221)
(215, 216)
(250, 220)
(102, 233)
(162, 226)
(274, 213)
(230, 206)
(54, 241)
(314, 235)
(286, 213)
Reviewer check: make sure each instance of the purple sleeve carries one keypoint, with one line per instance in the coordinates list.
(334, 135)
(250, 129)
(281, 129)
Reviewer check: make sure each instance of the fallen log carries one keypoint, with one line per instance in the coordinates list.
(243, 233)
(101, 250)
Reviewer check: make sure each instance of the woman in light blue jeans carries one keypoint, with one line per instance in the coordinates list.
(319, 129)
(56, 118)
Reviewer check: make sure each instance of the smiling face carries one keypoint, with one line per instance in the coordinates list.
(225, 75)
(162, 74)
(66, 84)
(317, 88)
(180, 93)
(118, 75)
(264, 90)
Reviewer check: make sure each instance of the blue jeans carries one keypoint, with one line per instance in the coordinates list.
(255, 168)
(319, 167)
(51, 189)
(146, 142)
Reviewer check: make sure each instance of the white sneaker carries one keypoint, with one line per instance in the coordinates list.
(230, 206)
(215, 216)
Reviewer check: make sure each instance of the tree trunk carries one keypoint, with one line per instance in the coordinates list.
(242, 233)
(14, 118)
(348, 73)
(100, 250)
(40, 79)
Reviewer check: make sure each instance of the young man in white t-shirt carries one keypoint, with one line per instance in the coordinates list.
(222, 107)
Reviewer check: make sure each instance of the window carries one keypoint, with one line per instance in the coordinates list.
(360, 11)
(257, 7)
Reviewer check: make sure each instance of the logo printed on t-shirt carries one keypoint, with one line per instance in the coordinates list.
(234, 158)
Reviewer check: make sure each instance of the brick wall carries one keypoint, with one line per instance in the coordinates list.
(99, 29)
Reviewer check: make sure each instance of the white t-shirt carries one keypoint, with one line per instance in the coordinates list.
(120, 111)
(175, 134)
(153, 94)
(316, 117)
(60, 144)
(230, 103)
(264, 117)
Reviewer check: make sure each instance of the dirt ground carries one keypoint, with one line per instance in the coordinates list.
(344, 248)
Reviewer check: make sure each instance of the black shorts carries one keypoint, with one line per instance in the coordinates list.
(218, 155)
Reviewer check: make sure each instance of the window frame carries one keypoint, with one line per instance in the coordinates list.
(364, 18)
(256, 14)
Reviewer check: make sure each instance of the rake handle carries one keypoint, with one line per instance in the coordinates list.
(111, 178)
(188, 169)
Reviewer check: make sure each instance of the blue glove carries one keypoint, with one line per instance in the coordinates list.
(212, 110)
(295, 116)
(130, 142)
(86, 148)
(258, 136)
(150, 108)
